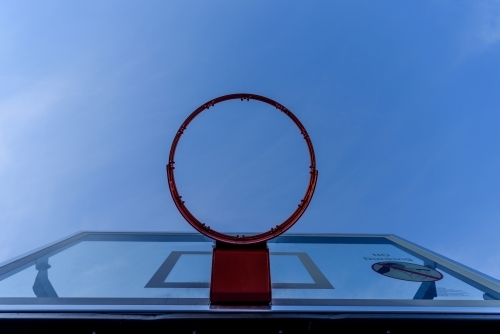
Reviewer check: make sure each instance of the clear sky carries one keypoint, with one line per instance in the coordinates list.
(401, 100)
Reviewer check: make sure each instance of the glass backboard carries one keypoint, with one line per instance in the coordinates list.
(110, 271)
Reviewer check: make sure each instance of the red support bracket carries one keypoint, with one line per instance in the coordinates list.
(240, 274)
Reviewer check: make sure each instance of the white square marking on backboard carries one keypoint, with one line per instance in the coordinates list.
(288, 269)
(191, 268)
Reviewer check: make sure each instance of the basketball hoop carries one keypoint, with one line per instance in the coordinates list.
(241, 239)
(240, 264)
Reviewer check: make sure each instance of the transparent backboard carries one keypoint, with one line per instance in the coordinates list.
(162, 271)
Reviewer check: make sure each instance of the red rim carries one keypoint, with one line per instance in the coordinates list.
(273, 232)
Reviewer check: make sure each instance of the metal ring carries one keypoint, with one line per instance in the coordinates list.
(241, 239)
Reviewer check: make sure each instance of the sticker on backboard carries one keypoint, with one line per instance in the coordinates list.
(407, 271)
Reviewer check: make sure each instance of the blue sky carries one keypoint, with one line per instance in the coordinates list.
(400, 99)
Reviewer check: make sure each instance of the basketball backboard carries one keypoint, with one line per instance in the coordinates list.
(156, 272)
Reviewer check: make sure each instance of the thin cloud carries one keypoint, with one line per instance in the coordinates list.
(482, 31)
(489, 31)
(22, 111)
